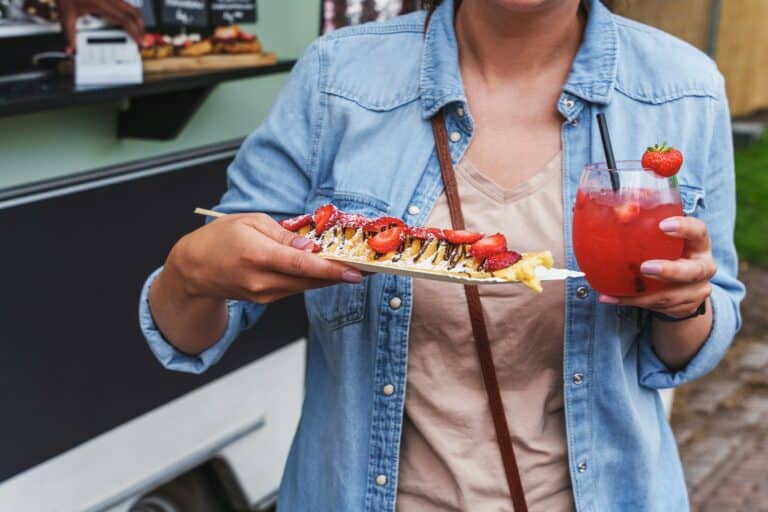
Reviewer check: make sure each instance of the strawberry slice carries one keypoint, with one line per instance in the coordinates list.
(325, 217)
(627, 212)
(501, 260)
(296, 223)
(151, 39)
(424, 233)
(382, 223)
(245, 36)
(487, 246)
(461, 236)
(387, 240)
(352, 220)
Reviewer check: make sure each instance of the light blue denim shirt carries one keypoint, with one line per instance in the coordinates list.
(351, 127)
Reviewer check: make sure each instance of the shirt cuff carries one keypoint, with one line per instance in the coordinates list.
(655, 374)
(240, 315)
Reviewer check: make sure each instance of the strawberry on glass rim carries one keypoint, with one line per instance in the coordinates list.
(662, 159)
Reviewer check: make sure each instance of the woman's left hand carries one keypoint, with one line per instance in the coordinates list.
(691, 272)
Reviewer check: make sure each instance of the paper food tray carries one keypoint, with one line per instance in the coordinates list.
(544, 274)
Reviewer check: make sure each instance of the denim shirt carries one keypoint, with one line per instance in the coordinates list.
(351, 127)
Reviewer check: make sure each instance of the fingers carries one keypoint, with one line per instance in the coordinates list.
(288, 260)
(68, 23)
(693, 230)
(676, 301)
(120, 12)
(269, 227)
(680, 271)
(275, 249)
(268, 288)
(131, 21)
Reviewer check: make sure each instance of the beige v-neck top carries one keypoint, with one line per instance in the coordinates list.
(449, 459)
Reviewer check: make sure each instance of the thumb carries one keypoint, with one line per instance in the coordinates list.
(269, 227)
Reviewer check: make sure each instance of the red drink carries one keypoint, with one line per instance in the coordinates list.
(615, 232)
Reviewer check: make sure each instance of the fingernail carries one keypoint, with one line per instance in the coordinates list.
(650, 268)
(605, 299)
(669, 225)
(301, 243)
(351, 276)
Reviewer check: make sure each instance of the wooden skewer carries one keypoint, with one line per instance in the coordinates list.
(209, 213)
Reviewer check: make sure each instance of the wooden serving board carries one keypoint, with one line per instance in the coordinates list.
(544, 274)
(203, 63)
(208, 62)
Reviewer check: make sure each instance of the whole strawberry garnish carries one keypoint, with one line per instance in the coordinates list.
(296, 223)
(487, 246)
(325, 217)
(387, 240)
(382, 223)
(501, 260)
(662, 159)
(461, 236)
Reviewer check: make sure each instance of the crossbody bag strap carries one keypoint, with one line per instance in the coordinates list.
(476, 317)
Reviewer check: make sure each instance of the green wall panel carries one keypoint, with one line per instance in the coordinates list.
(69, 140)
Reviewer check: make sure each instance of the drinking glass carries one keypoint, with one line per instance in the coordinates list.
(616, 226)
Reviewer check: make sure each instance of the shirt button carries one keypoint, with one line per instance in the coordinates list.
(395, 302)
(578, 378)
(388, 389)
(413, 209)
(460, 112)
(574, 122)
(455, 136)
(582, 292)
(381, 480)
(568, 103)
(582, 467)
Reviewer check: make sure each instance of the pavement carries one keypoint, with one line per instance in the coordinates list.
(721, 420)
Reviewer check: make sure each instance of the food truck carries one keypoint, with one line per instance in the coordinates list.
(96, 182)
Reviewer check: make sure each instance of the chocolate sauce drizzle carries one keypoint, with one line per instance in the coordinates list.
(424, 245)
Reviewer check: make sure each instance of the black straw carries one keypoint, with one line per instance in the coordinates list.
(608, 148)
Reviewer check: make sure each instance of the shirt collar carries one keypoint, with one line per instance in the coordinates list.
(591, 78)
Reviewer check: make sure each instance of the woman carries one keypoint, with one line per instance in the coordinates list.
(519, 83)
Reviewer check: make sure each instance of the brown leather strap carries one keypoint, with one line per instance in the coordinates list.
(476, 317)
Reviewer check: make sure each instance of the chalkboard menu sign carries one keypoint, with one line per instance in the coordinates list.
(184, 13)
(229, 12)
(147, 8)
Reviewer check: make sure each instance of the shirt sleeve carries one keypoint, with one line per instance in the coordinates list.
(271, 173)
(241, 315)
(718, 211)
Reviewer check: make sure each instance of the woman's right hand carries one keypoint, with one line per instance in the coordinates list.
(251, 257)
(244, 256)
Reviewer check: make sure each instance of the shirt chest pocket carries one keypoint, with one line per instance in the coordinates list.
(342, 304)
(693, 198)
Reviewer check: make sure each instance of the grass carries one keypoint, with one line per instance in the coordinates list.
(752, 202)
